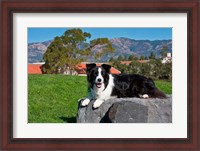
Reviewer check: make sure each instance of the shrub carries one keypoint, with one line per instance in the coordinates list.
(153, 69)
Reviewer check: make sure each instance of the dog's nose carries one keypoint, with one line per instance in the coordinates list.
(99, 80)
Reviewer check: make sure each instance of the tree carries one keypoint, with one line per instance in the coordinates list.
(120, 58)
(63, 53)
(153, 69)
(135, 67)
(132, 57)
(146, 58)
(111, 59)
(166, 71)
(66, 51)
(163, 52)
(126, 57)
(105, 49)
(152, 55)
(142, 57)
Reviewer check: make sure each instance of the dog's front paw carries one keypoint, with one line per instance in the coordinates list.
(97, 103)
(145, 96)
(85, 102)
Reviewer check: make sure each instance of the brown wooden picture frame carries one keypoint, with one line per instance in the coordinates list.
(8, 7)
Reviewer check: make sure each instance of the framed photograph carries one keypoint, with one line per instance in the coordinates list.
(100, 75)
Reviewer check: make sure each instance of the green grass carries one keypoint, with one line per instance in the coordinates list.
(164, 86)
(54, 98)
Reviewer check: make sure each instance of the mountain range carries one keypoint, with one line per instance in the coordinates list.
(123, 46)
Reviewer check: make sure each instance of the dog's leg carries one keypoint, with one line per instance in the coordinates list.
(145, 96)
(97, 103)
(85, 102)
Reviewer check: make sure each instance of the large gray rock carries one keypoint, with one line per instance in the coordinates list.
(128, 110)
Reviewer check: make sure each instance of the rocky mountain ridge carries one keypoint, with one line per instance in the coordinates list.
(123, 46)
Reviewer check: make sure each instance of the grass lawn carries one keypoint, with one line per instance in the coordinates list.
(54, 98)
(164, 86)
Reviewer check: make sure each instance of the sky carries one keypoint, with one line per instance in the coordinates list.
(44, 34)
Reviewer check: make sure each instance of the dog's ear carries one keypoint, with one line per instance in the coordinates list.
(90, 66)
(106, 67)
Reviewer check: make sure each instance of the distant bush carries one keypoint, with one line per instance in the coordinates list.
(153, 69)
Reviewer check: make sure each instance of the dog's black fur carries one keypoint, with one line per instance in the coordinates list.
(125, 85)
(134, 85)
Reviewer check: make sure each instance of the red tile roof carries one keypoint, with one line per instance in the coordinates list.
(143, 61)
(129, 62)
(126, 62)
(34, 69)
(80, 68)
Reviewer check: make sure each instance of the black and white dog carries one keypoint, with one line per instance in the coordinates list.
(103, 85)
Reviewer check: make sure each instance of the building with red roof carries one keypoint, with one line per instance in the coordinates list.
(80, 68)
(34, 69)
(126, 62)
(129, 62)
(143, 61)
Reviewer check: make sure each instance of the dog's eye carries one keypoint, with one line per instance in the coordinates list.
(102, 73)
(96, 73)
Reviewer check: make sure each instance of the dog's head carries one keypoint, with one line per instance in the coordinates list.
(98, 76)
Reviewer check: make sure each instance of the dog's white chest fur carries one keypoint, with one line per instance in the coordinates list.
(103, 93)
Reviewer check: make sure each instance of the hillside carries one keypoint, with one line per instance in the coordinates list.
(140, 47)
(36, 50)
(123, 46)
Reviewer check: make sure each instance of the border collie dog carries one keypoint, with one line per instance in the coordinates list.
(102, 85)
